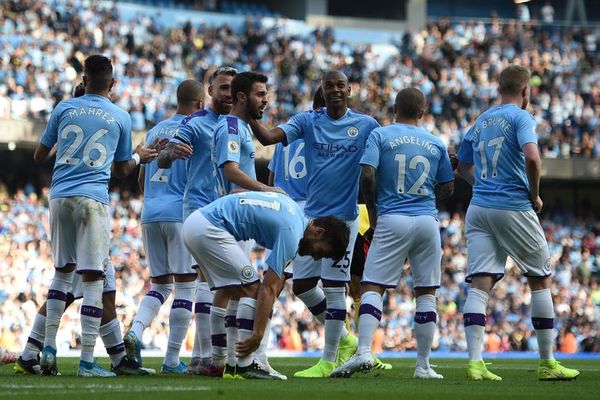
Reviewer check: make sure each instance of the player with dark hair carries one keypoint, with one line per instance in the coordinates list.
(274, 221)
(401, 167)
(335, 139)
(192, 142)
(499, 157)
(91, 134)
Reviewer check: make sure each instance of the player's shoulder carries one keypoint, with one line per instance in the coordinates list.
(521, 115)
(196, 116)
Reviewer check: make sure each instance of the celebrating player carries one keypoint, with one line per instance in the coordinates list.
(499, 157)
(162, 220)
(401, 167)
(335, 139)
(90, 133)
(276, 222)
(193, 140)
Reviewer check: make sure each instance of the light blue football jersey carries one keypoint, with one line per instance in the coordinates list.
(273, 220)
(90, 133)
(333, 150)
(197, 130)
(232, 142)
(409, 162)
(494, 144)
(164, 187)
(288, 166)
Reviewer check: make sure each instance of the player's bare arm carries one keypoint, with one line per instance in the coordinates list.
(267, 293)
(234, 174)
(265, 135)
(533, 167)
(141, 177)
(43, 153)
(142, 155)
(368, 187)
(174, 151)
(465, 171)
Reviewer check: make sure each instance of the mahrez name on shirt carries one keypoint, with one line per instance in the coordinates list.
(92, 112)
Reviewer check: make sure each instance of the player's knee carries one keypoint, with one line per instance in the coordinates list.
(250, 290)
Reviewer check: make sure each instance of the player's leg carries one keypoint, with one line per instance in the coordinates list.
(485, 266)
(231, 330)
(425, 257)
(202, 351)
(522, 237)
(64, 250)
(155, 247)
(382, 270)
(29, 360)
(93, 239)
(183, 296)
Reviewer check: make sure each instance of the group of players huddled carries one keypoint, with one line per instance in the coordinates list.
(204, 209)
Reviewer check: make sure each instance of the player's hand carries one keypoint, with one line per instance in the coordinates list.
(182, 151)
(248, 346)
(158, 145)
(276, 190)
(537, 204)
(146, 154)
(454, 161)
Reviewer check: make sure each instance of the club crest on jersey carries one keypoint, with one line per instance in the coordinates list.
(247, 272)
(233, 146)
(352, 131)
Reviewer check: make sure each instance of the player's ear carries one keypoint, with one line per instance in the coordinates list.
(210, 90)
(420, 114)
(349, 90)
(84, 78)
(112, 83)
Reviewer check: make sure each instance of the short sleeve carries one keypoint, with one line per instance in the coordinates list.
(372, 151)
(185, 134)
(465, 153)
(525, 127)
(273, 162)
(283, 251)
(294, 128)
(123, 151)
(228, 143)
(50, 135)
(445, 173)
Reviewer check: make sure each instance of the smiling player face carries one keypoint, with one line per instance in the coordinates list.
(335, 89)
(257, 101)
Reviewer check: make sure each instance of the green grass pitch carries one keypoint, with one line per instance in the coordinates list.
(520, 382)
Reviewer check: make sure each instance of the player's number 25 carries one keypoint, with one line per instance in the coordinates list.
(92, 144)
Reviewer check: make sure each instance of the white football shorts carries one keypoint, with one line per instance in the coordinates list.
(401, 237)
(494, 234)
(165, 250)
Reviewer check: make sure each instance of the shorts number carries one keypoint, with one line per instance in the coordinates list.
(160, 176)
(345, 263)
(291, 166)
(417, 188)
(497, 144)
(92, 144)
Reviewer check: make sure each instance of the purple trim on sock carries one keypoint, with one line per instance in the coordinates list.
(319, 308)
(497, 276)
(91, 311)
(246, 324)
(474, 319)
(156, 295)
(180, 303)
(230, 321)
(425, 317)
(426, 287)
(120, 348)
(94, 271)
(371, 310)
(70, 298)
(287, 275)
(219, 340)
(335, 314)
(543, 323)
(202, 308)
(57, 295)
(35, 342)
(186, 274)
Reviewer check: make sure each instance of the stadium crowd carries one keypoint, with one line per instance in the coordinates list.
(26, 270)
(43, 45)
